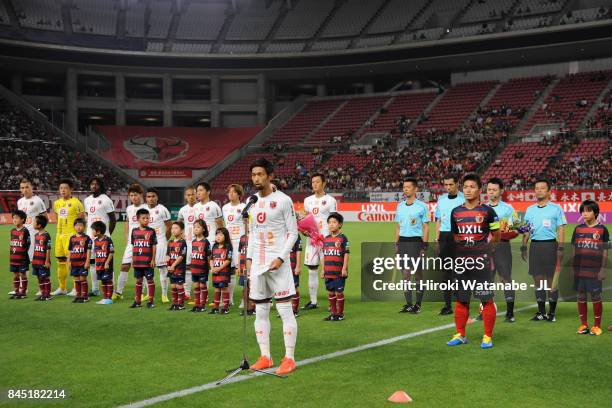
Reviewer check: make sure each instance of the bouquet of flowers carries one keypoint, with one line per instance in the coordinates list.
(509, 232)
(307, 225)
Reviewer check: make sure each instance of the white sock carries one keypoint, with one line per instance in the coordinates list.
(188, 283)
(285, 310)
(123, 277)
(232, 285)
(163, 280)
(94, 277)
(313, 284)
(262, 327)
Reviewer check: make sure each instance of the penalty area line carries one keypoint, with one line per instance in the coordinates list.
(301, 363)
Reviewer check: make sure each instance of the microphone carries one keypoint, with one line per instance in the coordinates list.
(252, 200)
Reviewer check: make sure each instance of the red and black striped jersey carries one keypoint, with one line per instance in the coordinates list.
(19, 245)
(297, 247)
(334, 249)
(143, 240)
(103, 247)
(177, 248)
(243, 244)
(218, 257)
(200, 255)
(589, 246)
(78, 247)
(472, 226)
(42, 246)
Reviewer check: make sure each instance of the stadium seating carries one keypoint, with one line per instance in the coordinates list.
(4, 17)
(304, 122)
(410, 105)
(521, 161)
(588, 163)
(455, 106)
(489, 10)
(94, 17)
(237, 172)
(201, 21)
(533, 7)
(563, 103)
(159, 18)
(45, 14)
(253, 20)
(396, 16)
(135, 19)
(304, 19)
(351, 17)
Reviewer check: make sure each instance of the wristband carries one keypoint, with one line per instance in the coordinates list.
(280, 259)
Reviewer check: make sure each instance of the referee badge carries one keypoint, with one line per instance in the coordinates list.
(273, 204)
(413, 221)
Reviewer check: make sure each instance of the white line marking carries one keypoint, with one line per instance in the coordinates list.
(379, 343)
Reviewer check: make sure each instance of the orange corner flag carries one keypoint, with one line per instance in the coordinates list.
(400, 397)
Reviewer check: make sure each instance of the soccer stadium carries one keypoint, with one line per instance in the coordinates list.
(309, 203)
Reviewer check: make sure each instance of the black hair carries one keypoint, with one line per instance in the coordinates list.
(498, 181)
(226, 236)
(79, 221)
(318, 175)
(412, 180)
(181, 224)
(205, 185)
(337, 216)
(472, 177)
(99, 226)
(41, 221)
(100, 182)
(451, 176)
(202, 224)
(263, 163)
(153, 190)
(591, 206)
(142, 211)
(67, 182)
(20, 214)
(543, 180)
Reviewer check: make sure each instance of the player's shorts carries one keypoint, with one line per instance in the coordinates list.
(502, 260)
(147, 273)
(127, 255)
(235, 253)
(313, 256)
(543, 258)
(160, 254)
(177, 279)
(199, 278)
(19, 268)
(410, 246)
(78, 271)
(446, 244)
(62, 242)
(276, 284)
(105, 275)
(41, 271)
(221, 284)
(242, 280)
(335, 284)
(588, 285)
(296, 280)
(475, 275)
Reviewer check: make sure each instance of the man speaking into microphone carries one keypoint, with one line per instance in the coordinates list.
(272, 234)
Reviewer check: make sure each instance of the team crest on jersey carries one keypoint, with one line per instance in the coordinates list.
(315, 210)
(479, 218)
(337, 244)
(207, 209)
(156, 149)
(323, 202)
(31, 202)
(261, 217)
(69, 205)
(596, 235)
(273, 204)
(230, 218)
(190, 218)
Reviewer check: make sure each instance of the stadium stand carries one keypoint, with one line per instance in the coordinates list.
(351, 17)
(409, 106)
(29, 150)
(486, 10)
(94, 17)
(253, 20)
(587, 164)
(4, 17)
(159, 19)
(201, 21)
(135, 19)
(46, 14)
(396, 16)
(304, 19)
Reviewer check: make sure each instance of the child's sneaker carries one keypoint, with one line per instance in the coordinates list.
(135, 305)
(150, 305)
(214, 311)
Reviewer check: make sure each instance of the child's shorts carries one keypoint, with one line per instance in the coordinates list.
(41, 271)
(78, 271)
(334, 284)
(147, 273)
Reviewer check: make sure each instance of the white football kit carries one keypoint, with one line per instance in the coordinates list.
(132, 220)
(187, 214)
(272, 234)
(232, 215)
(320, 208)
(97, 209)
(158, 217)
(32, 206)
(209, 212)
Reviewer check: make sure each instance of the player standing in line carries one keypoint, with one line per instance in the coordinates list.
(144, 244)
(99, 207)
(41, 260)
(472, 224)
(68, 209)
(78, 263)
(444, 236)
(232, 215)
(591, 241)
(502, 257)
(136, 197)
(411, 236)
(33, 206)
(187, 214)
(104, 253)
(220, 267)
(208, 210)
(320, 205)
(546, 229)
(272, 234)
(18, 258)
(335, 270)
(296, 268)
(176, 259)
(160, 221)
(200, 256)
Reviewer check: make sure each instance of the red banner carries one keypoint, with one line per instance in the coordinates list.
(141, 147)
(578, 195)
(165, 173)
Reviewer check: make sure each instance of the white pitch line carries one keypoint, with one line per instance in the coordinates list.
(379, 343)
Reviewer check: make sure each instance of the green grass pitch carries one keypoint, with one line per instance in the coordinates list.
(105, 356)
